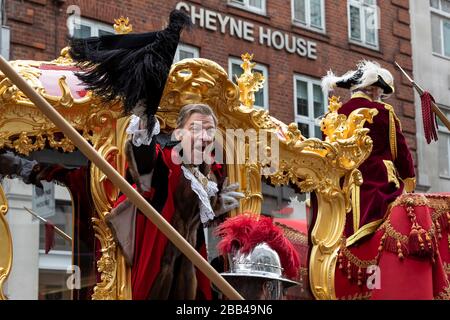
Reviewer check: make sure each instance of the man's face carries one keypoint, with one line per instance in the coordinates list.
(196, 134)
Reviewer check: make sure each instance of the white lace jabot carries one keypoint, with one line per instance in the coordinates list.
(204, 194)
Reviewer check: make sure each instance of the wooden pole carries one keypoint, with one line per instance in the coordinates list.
(58, 230)
(420, 91)
(119, 182)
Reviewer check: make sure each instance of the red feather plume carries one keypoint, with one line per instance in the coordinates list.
(244, 232)
(235, 233)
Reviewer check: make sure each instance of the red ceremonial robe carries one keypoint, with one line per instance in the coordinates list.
(151, 244)
(385, 172)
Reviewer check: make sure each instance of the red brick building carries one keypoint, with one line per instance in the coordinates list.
(295, 42)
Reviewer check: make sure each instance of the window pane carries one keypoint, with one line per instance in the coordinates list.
(104, 32)
(355, 23)
(236, 71)
(186, 54)
(436, 34)
(317, 132)
(446, 5)
(259, 96)
(316, 13)
(256, 3)
(444, 153)
(434, 3)
(304, 129)
(318, 101)
(82, 31)
(447, 38)
(302, 98)
(371, 26)
(300, 10)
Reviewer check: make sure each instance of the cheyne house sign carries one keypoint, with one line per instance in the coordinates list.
(245, 30)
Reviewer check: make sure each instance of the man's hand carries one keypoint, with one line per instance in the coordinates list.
(229, 198)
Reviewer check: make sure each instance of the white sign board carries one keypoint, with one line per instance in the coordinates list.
(44, 199)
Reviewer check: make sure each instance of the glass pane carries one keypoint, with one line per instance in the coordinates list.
(300, 10)
(369, 2)
(371, 26)
(436, 34)
(304, 129)
(302, 98)
(259, 99)
(355, 23)
(104, 33)
(447, 38)
(186, 54)
(444, 155)
(316, 13)
(446, 5)
(82, 31)
(319, 106)
(434, 3)
(236, 71)
(259, 96)
(256, 3)
(317, 132)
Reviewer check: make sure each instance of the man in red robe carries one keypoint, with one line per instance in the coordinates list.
(389, 170)
(175, 176)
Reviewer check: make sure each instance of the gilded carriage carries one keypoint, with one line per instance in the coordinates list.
(310, 165)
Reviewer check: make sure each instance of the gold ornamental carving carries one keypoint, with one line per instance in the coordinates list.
(6, 248)
(310, 164)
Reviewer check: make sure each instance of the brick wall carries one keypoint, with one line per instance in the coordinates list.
(39, 32)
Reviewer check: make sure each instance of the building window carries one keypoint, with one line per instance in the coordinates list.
(363, 22)
(262, 96)
(444, 147)
(309, 14)
(440, 27)
(256, 6)
(85, 28)
(185, 51)
(310, 104)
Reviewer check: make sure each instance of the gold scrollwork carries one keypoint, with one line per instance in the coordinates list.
(6, 249)
(310, 164)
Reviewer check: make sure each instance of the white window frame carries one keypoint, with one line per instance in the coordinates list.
(363, 26)
(443, 130)
(443, 16)
(310, 121)
(95, 26)
(308, 17)
(246, 6)
(188, 48)
(265, 73)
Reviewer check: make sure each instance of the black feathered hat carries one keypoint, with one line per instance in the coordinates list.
(133, 67)
(368, 73)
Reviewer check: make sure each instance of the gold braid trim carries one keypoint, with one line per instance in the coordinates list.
(293, 234)
(363, 264)
(358, 296)
(391, 232)
(444, 295)
(447, 267)
(392, 130)
(303, 272)
(411, 200)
